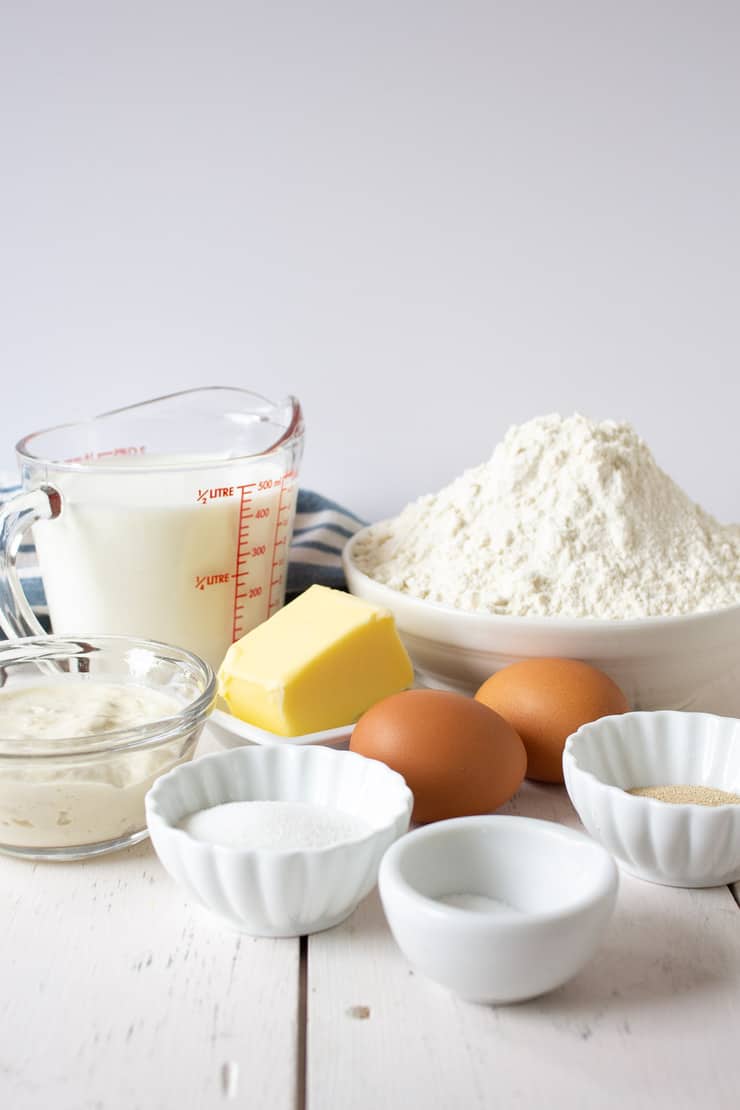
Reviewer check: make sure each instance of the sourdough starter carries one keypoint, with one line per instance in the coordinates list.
(59, 801)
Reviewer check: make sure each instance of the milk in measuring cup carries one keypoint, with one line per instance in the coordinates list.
(193, 558)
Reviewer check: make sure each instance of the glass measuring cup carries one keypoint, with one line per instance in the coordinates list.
(170, 519)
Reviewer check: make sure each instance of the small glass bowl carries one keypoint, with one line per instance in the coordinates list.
(84, 795)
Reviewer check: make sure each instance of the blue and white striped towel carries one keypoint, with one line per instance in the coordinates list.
(322, 527)
(321, 530)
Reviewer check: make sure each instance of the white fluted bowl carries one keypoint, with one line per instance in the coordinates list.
(273, 892)
(676, 845)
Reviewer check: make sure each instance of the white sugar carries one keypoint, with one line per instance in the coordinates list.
(275, 826)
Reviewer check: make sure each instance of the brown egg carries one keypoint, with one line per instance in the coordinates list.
(546, 700)
(457, 756)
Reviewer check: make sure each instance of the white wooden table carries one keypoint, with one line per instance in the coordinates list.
(118, 994)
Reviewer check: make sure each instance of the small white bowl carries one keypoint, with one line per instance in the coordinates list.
(676, 845)
(681, 662)
(552, 892)
(279, 893)
(231, 732)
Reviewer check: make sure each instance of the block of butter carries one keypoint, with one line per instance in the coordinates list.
(318, 663)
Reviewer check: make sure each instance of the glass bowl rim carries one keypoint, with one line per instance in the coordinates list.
(119, 740)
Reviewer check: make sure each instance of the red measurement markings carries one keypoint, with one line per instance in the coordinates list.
(241, 572)
(279, 557)
(93, 456)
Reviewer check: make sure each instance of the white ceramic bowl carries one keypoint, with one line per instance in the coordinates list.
(279, 893)
(677, 845)
(553, 889)
(688, 662)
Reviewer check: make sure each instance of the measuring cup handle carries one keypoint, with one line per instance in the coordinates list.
(16, 517)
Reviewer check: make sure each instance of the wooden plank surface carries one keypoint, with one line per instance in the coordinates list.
(118, 994)
(652, 1022)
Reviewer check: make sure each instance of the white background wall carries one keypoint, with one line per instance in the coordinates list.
(427, 220)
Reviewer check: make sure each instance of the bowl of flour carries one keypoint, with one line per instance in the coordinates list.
(569, 541)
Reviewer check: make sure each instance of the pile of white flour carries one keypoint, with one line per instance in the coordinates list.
(570, 517)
